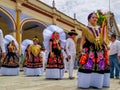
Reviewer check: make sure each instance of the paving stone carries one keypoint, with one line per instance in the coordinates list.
(23, 82)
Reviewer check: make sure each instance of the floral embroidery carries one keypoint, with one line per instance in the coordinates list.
(101, 64)
(106, 57)
(100, 55)
(83, 59)
(50, 60)
(100, 61)
(91, 55)
(86, 49)
(89, 64)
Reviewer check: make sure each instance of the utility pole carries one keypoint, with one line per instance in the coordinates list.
(109, 5)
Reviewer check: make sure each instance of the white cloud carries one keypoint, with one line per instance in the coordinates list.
(83, 7)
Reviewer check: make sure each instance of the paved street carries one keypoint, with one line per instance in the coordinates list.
(22, 82)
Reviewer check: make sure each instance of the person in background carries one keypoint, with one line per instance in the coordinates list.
(10, 65)
(114, 57)
(55, 63)
(71, 51)
(26, 57)
(2, 46)
(34, 65)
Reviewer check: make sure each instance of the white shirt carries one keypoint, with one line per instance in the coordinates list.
(2, 41)
(64, 54)
(70, 46)
(115, 48)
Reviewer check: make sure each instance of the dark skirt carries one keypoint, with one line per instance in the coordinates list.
(56, 61)
(33, 62)
(11, 60)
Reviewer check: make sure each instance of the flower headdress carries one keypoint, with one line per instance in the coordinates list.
(102, 18)
(35, 38)
(53, 36)
(103, 23)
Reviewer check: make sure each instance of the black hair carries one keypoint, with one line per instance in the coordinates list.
(90, 15)
(113, 35)
(35, 37)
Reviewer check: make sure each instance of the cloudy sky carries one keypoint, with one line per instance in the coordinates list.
(83, 7)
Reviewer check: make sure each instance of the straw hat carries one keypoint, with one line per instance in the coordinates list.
(72, 32)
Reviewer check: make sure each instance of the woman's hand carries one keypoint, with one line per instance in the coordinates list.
(108, 48)
(69, 57)
(51, 54)
(81, 49)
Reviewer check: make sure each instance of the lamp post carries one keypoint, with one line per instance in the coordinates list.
(53, 3)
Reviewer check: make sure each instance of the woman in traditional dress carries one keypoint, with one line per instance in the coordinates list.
(10, 65)
(94, 63)
(2, 47)
(54, 67)
(34, 66)
(26, 57)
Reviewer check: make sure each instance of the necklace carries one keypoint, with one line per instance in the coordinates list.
(97, 36)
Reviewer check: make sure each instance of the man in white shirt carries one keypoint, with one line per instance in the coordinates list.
(2, 44)
(71, 51)
(114, 56)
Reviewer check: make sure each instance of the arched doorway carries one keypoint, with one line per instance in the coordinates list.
(7, 22)
(31, 28)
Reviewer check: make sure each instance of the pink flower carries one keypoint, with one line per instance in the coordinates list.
(86, 49)
(100, 55)
(91, 55)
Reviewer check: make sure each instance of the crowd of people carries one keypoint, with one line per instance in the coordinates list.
(95, 66)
